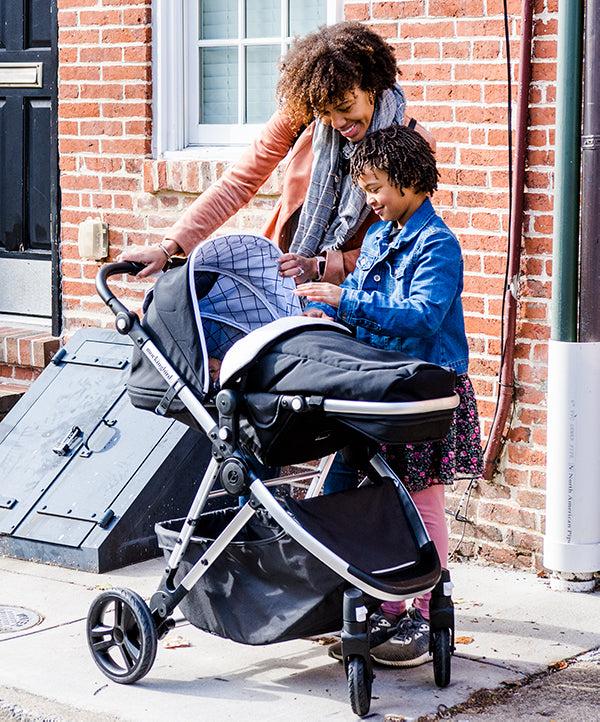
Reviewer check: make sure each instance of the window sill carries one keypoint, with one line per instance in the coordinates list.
(195, 169)
(207, 152)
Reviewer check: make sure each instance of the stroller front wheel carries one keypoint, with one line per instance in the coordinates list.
(122, 635)
(441, 653)
(359, 685)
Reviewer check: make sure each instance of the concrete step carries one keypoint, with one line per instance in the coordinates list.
(29, 348)
(24, 354)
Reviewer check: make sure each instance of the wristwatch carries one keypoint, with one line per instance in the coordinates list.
(321, 263)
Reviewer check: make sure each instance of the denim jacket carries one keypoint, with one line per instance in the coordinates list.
(404, 293)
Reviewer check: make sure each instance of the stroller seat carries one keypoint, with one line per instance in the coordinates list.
(405, 564)
(341, 387)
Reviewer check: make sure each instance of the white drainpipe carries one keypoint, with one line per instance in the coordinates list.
(572, 539)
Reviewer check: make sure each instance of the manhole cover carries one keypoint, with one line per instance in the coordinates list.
(14, 619)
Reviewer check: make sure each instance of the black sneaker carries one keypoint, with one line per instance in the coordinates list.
(380, 628)
(409, 647)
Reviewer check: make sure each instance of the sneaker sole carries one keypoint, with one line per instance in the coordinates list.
(335, 655)
(425, 657)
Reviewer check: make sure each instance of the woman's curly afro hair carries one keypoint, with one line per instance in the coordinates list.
(321, 67)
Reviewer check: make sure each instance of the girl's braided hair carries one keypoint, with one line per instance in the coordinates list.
(400, 152)
(321, 67)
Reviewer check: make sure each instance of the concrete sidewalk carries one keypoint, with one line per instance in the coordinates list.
(509, 624)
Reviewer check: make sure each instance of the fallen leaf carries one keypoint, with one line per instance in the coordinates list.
(175, 641)
(325, 640)
(463, 640)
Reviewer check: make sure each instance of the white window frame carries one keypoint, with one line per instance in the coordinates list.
(170, 134)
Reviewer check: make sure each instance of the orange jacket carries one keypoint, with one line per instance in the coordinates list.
(240, 183)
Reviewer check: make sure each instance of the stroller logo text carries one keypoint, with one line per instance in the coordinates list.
(159, 362)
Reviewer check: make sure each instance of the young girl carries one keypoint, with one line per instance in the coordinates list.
(405, 295)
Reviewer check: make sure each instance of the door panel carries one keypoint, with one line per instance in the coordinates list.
(11, 174)
(28, 157)
(38, 23)
(38, 117)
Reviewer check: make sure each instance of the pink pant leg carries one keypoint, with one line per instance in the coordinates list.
(431, 506)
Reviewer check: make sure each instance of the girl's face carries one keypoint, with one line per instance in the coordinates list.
(351, 115)
(389, 202)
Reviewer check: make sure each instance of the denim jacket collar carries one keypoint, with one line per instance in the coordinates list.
(415, 224)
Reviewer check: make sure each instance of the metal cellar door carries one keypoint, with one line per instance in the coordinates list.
(85, 475)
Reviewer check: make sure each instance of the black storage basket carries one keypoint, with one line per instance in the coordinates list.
(263, 588)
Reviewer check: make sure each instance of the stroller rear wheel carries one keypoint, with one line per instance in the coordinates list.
(359, 685)
(441, 652)
(122, 635)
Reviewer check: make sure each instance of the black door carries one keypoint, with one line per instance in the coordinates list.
(28, 159)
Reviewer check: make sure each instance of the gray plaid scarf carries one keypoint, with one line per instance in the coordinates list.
(332, 195)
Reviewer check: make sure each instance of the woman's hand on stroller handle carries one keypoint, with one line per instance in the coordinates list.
(150, 259)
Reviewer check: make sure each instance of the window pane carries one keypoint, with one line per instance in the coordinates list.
(263, 18)
(261, 79)
(218, 19)
(306, 15)
(219, 85)
(231, 53)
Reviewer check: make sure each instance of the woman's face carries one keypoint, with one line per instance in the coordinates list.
(351, 115)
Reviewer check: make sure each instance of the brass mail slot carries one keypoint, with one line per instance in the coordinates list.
(21, 75)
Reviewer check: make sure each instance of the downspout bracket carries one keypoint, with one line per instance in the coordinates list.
(590, 142)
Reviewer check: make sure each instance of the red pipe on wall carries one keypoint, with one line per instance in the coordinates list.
(494, 445)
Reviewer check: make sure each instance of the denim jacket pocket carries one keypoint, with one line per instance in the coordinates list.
(370, 325)
(366, 262)
(400, 266)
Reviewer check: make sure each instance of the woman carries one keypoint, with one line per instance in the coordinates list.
(335, 85)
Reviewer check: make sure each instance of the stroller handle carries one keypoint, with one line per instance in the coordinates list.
(125, 317)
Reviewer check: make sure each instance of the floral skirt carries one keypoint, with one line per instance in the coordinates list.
(459, 454)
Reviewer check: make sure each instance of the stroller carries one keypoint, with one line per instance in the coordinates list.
(291, 390)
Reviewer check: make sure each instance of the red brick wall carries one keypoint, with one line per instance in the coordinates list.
(105, 126)
(453, 61)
